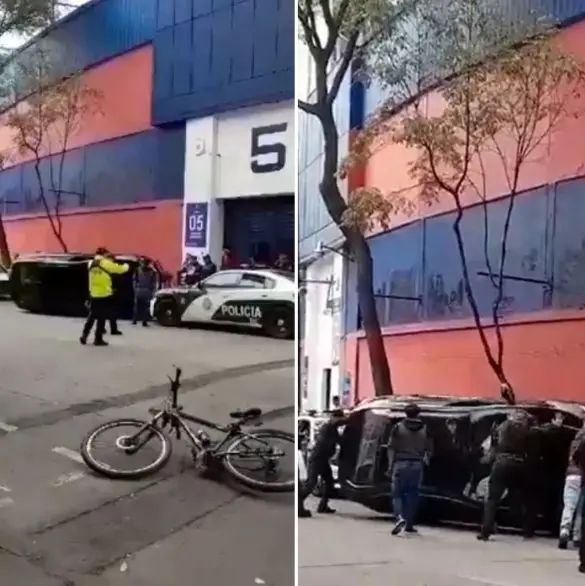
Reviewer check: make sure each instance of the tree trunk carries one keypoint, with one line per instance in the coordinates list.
(367, 304)
(5, 257)
(360, 250)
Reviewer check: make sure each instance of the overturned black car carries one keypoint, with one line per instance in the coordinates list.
(455, 481)
(58, 283)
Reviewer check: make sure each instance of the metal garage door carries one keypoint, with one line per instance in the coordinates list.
(260, 227)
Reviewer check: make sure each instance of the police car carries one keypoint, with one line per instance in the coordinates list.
(251, 298)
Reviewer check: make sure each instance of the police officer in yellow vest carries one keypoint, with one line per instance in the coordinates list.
(101, 269)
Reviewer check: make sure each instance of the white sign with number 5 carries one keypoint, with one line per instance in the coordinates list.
(256, 151)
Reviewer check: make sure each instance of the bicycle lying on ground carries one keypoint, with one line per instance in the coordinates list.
(230, 453)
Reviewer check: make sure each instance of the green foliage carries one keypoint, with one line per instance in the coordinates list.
(25, 16)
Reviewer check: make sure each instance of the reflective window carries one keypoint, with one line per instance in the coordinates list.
(227, 279)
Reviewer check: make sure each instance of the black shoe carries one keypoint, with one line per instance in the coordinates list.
(116, 333)
(326, 510)
(483, 537)
(398, 527)
(410, 530)
(100, 343)
(83, 340)
(134, 323)
(304, 513)
(582, 568)
(563, 542)
(145, 325)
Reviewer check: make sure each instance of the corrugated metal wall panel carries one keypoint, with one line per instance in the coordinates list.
(125, 85)
(104, 29)
(260, 227)
(238, 54)
(170, 156)
(120, 171)
(141, 167)
(119, 230)
(563, 12)
(315, 224)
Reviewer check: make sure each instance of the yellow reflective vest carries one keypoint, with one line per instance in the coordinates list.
(101, 270)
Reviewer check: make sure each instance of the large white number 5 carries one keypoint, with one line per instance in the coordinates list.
(274, 148)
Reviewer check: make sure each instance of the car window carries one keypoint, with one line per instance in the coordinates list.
(228, 279)
(253, 281)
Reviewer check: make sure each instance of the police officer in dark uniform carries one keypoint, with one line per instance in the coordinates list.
(319, 466)
(514, 469)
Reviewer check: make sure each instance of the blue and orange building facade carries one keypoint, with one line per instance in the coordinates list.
(431, 342)
(157, 64)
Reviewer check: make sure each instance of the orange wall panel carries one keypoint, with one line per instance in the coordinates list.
(125, 230)
(543, 360)
(125, 84)
(559, 157)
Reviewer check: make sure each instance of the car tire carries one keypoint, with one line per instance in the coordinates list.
(166, 313)
(280, 324)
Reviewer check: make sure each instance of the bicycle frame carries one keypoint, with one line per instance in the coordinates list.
(176, 418)
(172, 413)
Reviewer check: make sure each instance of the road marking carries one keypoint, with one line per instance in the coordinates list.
(67, 453)
(6, 502)
(486, 581)
(67, 478)
(7, 427)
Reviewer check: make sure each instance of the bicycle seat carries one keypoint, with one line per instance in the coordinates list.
(251, 413)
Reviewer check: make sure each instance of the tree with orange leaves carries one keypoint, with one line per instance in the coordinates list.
(19, 17)
(507, 88)
(337, 34)
(51, 106)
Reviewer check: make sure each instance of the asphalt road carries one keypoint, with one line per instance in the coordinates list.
(356, 547)
(59, 524)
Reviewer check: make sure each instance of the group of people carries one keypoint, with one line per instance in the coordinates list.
(194, 270)
(102, 307)
(513, 469)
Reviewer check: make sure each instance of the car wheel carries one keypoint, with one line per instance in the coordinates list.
(166, 313)
(279, 323)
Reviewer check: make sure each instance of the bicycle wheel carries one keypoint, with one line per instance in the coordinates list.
(255, 460)
(149, 452)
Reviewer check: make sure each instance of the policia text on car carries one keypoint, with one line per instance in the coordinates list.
(101, 309)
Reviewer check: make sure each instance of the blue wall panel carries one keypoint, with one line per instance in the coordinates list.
(104, 28)
(569, 245)
(398, 271)
(217, 55)
(148, 166)
(422, 260)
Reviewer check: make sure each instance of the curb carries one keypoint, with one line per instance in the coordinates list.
(152, 392)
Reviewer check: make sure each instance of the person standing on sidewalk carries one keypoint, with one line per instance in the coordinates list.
(319, 465)
(577, 452)
(410, 448)
(144, 281)
(101, 269)
(572, 501)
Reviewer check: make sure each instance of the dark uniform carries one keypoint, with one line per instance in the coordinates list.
(515, 469)
(319, 465)
(577, 452)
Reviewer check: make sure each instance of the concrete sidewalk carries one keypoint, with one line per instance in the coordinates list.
(355, 547)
